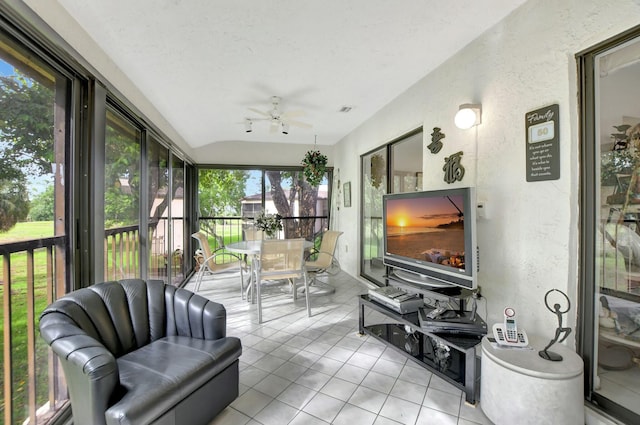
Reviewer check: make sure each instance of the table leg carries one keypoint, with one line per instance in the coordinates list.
(252, 280)
(361, 327)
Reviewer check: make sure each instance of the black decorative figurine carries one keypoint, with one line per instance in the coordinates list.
(549, 355)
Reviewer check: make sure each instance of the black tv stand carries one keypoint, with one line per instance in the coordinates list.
(452, 295)
(450, 356)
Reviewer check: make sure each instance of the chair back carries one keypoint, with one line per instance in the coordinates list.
(327, 249)
(282, 258)
(252, 234)
(204, 246)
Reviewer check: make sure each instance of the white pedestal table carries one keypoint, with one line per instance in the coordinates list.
(517, 386)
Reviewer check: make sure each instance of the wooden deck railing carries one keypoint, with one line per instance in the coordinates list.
(121, 253)
(33, 275)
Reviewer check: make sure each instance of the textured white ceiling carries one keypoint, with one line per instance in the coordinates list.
(202, 63)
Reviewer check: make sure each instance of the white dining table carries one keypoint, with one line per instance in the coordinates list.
(252, 248)
(244, 247)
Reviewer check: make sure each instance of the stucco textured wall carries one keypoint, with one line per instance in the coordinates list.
(529, 241)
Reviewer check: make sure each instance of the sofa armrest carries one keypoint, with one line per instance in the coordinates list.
(90, 369)
(195, 316)
(214, 320)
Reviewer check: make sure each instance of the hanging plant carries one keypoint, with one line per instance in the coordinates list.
(315, 165)
(378, 170)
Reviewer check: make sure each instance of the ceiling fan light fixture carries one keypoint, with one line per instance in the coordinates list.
(279, 120)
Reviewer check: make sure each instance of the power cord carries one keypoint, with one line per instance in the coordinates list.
(476, 298)
(484, 299)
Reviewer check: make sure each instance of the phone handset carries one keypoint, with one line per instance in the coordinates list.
(507, 333)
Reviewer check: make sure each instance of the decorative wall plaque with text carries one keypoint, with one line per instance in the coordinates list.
(543, 145)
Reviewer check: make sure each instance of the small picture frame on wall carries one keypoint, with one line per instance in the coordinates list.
(347, 194)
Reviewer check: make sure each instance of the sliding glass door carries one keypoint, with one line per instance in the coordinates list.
(374, 185)
(402, 160)
(611, 226)
(35, 211)
(121, 197)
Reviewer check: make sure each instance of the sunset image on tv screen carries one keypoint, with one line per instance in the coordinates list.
(427, 229)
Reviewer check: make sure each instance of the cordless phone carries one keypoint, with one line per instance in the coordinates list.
(507, 333)
(510, 328)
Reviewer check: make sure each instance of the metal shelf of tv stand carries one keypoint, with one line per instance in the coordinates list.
(463, 344)
(456, 294)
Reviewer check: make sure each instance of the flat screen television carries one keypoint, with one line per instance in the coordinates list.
(430, 237)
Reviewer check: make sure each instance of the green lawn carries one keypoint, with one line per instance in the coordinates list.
(30, 230)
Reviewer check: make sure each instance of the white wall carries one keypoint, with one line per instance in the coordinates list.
(529, 242)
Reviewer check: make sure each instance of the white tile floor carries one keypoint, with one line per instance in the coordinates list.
(306, 371)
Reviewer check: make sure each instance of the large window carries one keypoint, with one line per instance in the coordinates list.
(87, 193)
(230, 198)
(402, 160)
(121, 197)
(406, 164)
(34, 239)
(158, 207)
(611, 227)
(179, 231)
(289, 195)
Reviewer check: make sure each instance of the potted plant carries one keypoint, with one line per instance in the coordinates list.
(270, 224)
(315, 165)
(378, 170)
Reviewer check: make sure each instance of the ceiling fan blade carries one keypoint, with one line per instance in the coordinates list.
(257, 111)
(298, 124)
(293, 114)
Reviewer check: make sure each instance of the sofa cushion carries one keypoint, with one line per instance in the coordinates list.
(157, 376)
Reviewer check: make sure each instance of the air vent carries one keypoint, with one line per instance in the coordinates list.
(345, 109)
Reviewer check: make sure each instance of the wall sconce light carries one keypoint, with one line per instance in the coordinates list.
(248, 125)
(285, 128)
(469, 115)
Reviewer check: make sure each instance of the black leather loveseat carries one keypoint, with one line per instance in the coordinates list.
(136, 352)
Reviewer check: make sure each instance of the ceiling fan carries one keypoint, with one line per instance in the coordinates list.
(277, 118)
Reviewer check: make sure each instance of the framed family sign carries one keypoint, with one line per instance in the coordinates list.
(543, 144)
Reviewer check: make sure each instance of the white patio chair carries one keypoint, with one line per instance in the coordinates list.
(281, 259)
(325, 262)
(209, 262)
